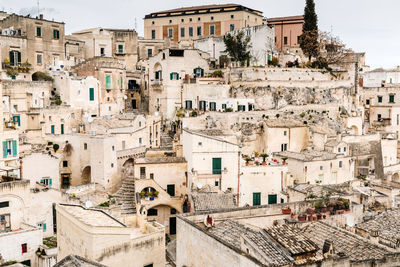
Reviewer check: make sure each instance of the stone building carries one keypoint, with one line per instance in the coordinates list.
(100, 237)
(44, 42)
(196, 22)
(287, 31)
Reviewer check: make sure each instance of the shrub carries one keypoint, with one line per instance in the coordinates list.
(302, 114)
(58, 101)
(229, 110)
(41, 76)
(277, 115)
(218, 73)
(11, 72)
(56, 147)
(193, 113)
(104, 204)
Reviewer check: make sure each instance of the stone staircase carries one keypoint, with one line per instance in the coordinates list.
(125, 196)
(166, 141)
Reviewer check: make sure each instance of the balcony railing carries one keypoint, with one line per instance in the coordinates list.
(382, 122)
(157, 83)
(21, 67)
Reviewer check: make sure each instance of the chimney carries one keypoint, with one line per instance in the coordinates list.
(41, 16)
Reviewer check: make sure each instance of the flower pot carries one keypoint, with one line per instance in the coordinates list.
(286, 211)
(264, 163)
(302, 218)
(283, 162)
(310, 211)
(247, 163)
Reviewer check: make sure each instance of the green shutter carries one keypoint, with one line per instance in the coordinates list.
(50, 181)
(108, 82)
(42, 181)
(62, 128)
(44, 227)
(14, 148)
(52, 129)
(256, 199)
(171, 76)
(12, 58)
(91, 94)
(216, 165)
(38, 31)
(272, 199)
(4, 149)
(19, 57)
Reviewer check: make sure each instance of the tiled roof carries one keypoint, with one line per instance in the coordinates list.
(292, 239)
(344, 242)
(232, 233)
(77, 261)
(387, 224)
(213, 201)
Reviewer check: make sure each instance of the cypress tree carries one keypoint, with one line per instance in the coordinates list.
(309, 37)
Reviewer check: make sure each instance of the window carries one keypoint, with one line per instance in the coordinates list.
(102, 51)
(199, 19)
(15, 58)
(284, 133)
(171, 190)
(285, 40)
(241, 108)
(212, 29)
(24, 248)
(182, 32)
(43, 226)
(223, 106)
(56, 34)
(142, 172)
(272, 199)
(344, 149)
(340, 164)
(91, 94)
(170, 21)
(152, 22)
(120, 49)
(321, 168)
(5, 223)
(298, 39)
(62, 128)
(188, 104)
(153, 34)
(85, 146)
(213, 106)
(212, 18)
(39, 59)
(65, 163)
(391, 98)
(174, 76)
(17, 120)
(256, 199)
(379, 99)
(199, 31)
(152, 212)
(46, 181)
(283, 147)
(123, 144)
(232, 27)
(108, 82)
(216, 165)
(152, 176)
(4, 204)
(216, 183)
(367, 102)
(338, 149)
(202, 105)
(149, 52)
(112, 165)
(173, 211)
(170, 33)
(198, 72)
(140, 141)
(232, 16)
(190, 31)
(52, 129)
(38, 31)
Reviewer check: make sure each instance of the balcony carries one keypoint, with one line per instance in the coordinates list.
(20, 67)
(382, 122)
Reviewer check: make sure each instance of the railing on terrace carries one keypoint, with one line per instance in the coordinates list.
(131, 152)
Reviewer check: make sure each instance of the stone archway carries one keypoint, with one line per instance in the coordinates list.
(354, 130)
(396, 177)
(128, 167)
(86, 177)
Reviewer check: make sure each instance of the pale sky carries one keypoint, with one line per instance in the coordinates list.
(369, 26)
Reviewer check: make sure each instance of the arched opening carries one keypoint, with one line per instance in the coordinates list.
(354, 130)
(128, 167)
(396, 178)
(86, 175)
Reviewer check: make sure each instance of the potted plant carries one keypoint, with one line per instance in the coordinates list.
(302, 217)
(284, 160)
(256, 154)
(264, 156)
(247, 161)
(156, 193)
(286, 211)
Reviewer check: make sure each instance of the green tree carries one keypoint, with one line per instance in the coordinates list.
(238, 46)
(309, 38)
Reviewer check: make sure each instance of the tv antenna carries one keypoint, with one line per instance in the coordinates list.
(38, 8)
(135, 25)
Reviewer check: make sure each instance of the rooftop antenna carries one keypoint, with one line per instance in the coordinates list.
(38, 8)
(135, 25)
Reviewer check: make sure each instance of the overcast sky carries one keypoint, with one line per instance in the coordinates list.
(370, 26)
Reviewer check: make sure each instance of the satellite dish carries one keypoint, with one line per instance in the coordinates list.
(13, 111)
(156, 113)
(88, 204)
(90, 119)
(125, 97)
(199, 186)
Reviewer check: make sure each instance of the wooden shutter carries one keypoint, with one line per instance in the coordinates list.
(91, 94)
(44, 227)
(108, 82)
(14, 148)
(171, 76)
(4, 149)
(256, 199)
(216, 165)
(19, 57)
(12, 59)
